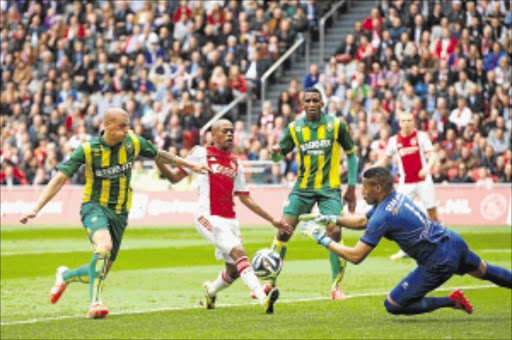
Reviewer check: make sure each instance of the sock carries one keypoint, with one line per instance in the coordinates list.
(338, 266)
(97, 268)
(245, 269)
(424, 305)
(279, 247)
(222, 281)
(80, 274)
(498, 275)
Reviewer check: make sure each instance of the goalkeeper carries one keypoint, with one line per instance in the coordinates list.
(318, 139)
(439, 252)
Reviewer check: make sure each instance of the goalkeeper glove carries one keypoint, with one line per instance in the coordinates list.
(316, 232)
(325, 220)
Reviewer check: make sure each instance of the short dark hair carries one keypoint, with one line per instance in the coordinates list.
(313, 90)
(380, 175)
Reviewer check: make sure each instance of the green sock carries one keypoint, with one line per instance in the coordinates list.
(97, 269)
(338, 266)
(279, 247)
(80, 274)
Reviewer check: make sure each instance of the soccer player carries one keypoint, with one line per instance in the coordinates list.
(318, 139)
(106, 199)
(413, 148)
(215, 217)
(439, 252)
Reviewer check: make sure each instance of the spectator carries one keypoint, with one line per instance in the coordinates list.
(484, 180)
(312, 77)
(462, 175)
(461, 116)
(437, 175)
(499, 141)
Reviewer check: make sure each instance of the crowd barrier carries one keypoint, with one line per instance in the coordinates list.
(457, 205)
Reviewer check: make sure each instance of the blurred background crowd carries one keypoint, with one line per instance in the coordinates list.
(173, 64)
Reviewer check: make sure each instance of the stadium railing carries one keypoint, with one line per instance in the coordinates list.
(277, 65)
(323, 20)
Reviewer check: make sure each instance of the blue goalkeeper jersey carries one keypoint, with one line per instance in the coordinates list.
(398, 219)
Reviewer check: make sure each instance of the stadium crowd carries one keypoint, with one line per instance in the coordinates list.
(173, 64)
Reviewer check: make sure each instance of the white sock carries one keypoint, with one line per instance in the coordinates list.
(245, 269)
(254, 285)
(222, 281)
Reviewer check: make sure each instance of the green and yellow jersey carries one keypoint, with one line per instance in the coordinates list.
(108, 169)
(318, 150)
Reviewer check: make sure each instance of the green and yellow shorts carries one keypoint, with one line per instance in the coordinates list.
(301, 201)
(96, 217)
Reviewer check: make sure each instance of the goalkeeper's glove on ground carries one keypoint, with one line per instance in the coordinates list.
(316, 232)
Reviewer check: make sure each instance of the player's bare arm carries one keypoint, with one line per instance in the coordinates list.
(250, 203)
(48, 193)
(168, 158)
(350, 194)
(430, 164)
(173, 175)
(353, 221)
(355, 254)
(275, 149)
(383, 162)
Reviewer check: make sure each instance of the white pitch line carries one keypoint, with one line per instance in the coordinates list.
(285, 301)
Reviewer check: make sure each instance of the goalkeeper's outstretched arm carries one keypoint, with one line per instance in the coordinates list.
(354, 221)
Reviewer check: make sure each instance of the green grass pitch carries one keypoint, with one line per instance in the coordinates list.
(155, 286)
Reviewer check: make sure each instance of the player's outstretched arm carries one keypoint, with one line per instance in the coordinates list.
(353, 254)
(383, 161)
(173, 175)
(352, 221)
(48, 193)
(250, 203)
(168, 158)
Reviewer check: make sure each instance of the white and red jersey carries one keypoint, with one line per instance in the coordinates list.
(217, 188)
(411, 152)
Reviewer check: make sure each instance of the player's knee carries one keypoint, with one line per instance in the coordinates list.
(392, 308)
(238, 252)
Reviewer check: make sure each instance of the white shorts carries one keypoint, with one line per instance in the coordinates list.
(223, 233)
(424, 190)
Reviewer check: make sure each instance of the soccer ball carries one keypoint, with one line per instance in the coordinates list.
(266, 263)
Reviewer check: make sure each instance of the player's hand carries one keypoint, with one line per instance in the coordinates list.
(350, 198)
(275, 149)
(200, 168)
(283, 226)
(315, 232)
(320, 219)
(24, 219)
(423, 173)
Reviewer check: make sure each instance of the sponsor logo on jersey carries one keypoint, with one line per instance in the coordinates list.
(408, 150)
(222, 170)
(311, 146)
(113, 171)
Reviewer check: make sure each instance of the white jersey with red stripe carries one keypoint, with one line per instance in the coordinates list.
(217, 188)
(411, 151)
